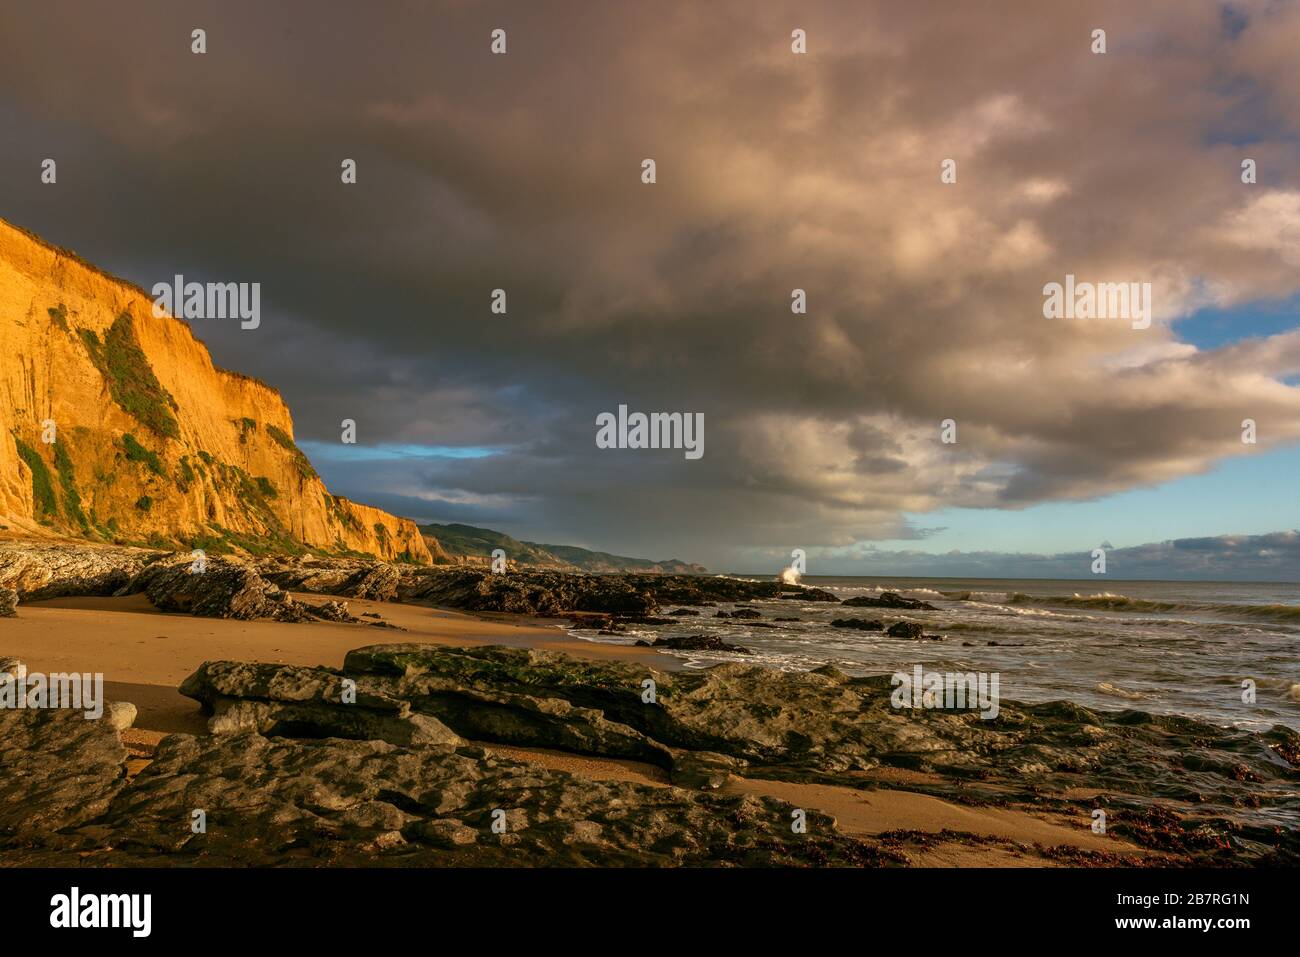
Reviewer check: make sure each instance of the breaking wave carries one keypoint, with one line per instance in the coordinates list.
(1114, 691)
(998, 597)
(1106, 601)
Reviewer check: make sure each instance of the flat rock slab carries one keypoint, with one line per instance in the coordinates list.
(277, 801)
(65, 798)
(58, 771)
(816, 726)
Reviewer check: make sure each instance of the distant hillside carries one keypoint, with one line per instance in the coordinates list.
(470, 545)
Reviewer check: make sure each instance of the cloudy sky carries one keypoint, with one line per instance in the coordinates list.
(775, 171)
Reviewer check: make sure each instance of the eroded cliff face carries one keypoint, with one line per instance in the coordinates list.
(152, 444)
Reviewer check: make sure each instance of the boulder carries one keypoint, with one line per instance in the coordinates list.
(859, 624)
(349, 578)
(703, 770)
(698, 643)
(378, 582)
(57, 771)
(888, 599)
(120, 715)
(804, 593)
(287, 700)
(334, 610)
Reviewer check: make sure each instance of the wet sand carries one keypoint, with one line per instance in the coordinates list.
(145, 654)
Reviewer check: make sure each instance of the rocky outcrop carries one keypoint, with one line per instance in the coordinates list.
(888, 599)
(806, 593)
(374, 581)
(518, 696)
(225, 590)
(244, 588)
(695, 643)
(272, 790)
(115, 426)
(39, 570)
(823, 726)
(214, 587)
(858, 624)
(8, 603)
(817, 725)
(57, 771)
(220, 588)
(552, 593)
(286, 700)
(281, 801)
(369, 764)
(530, 593)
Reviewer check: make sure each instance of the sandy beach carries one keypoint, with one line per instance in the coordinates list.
(145, 654)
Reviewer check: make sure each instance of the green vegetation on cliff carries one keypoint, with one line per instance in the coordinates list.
(60, 317)
(184, 474)
(130, 378)
(135, 452)
(47, 506)
(336, 506)
(68, 479)
(299, 459)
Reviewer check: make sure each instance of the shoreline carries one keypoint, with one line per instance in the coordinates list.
(145, 654)
(153, 651)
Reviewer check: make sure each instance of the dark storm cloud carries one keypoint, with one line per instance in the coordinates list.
(775, 172)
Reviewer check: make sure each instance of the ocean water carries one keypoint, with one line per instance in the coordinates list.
(1164, 647)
